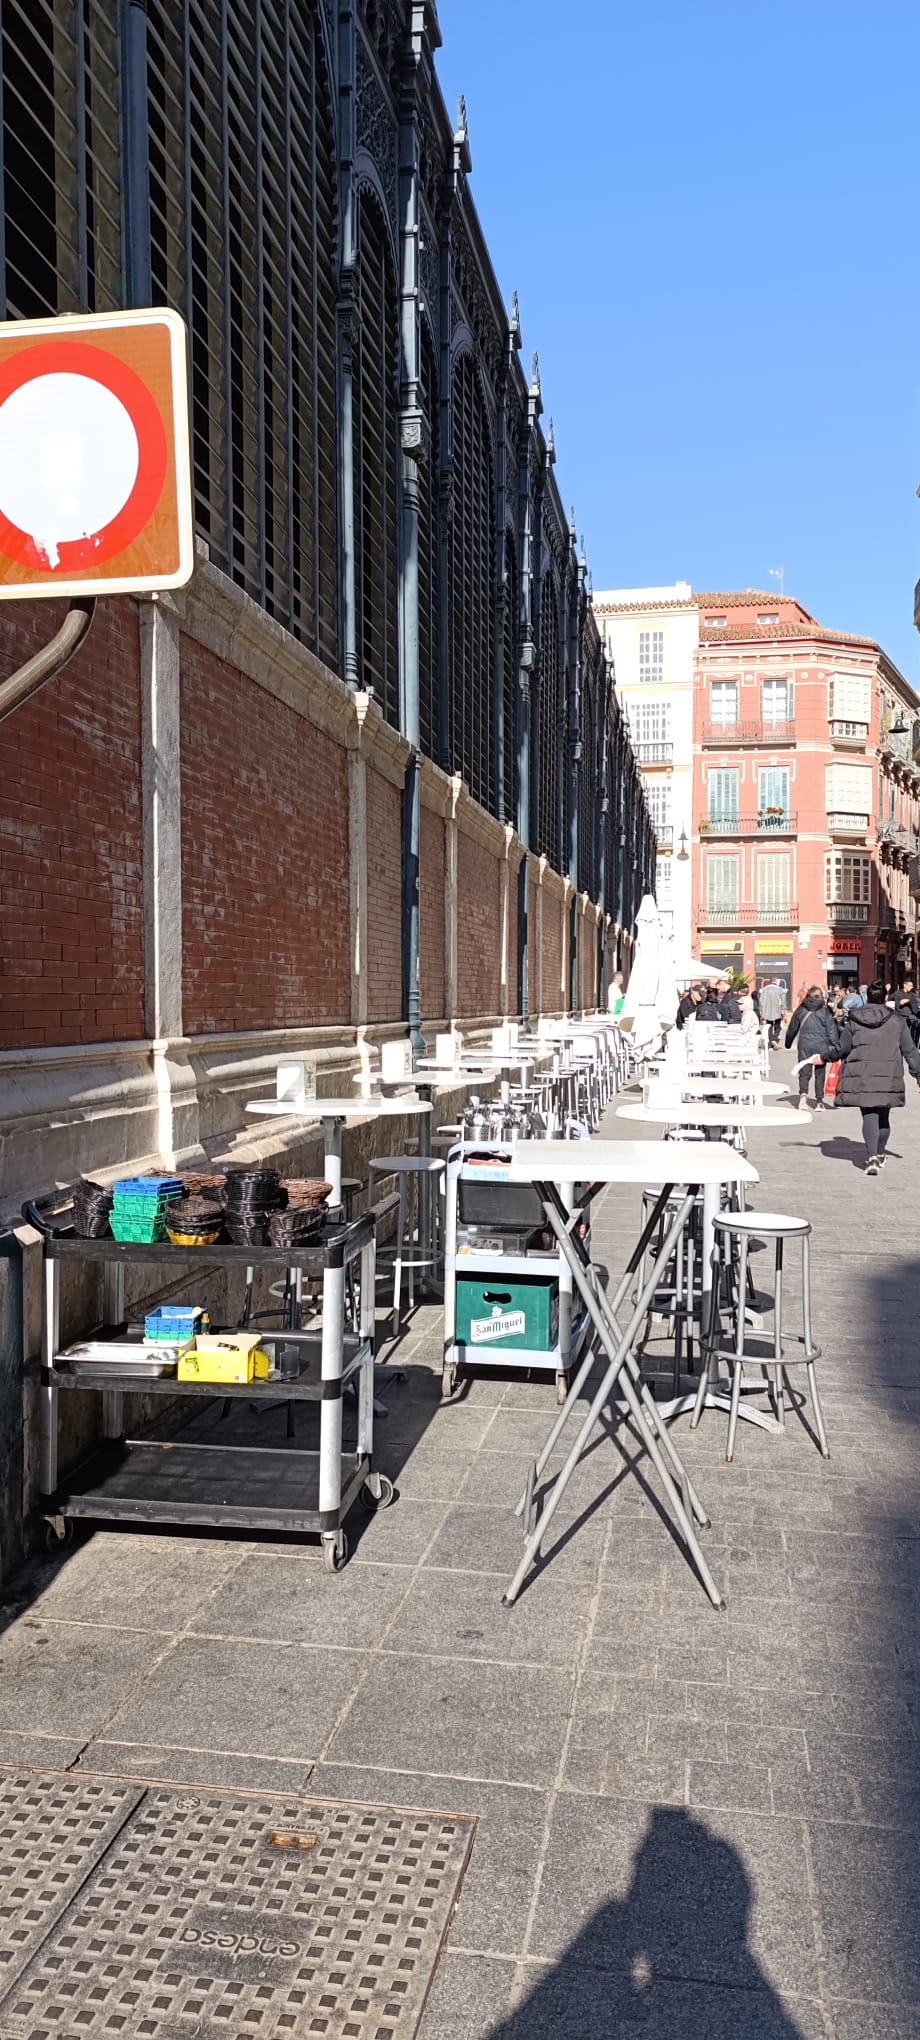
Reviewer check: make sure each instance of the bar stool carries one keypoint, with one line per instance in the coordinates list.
(734, 1232)
(412, 1251)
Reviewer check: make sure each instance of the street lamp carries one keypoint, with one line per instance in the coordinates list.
(683, 853)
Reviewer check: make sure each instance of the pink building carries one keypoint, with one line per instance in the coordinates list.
(805, 797)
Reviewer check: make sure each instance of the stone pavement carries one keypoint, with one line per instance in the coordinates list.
(689, 1823)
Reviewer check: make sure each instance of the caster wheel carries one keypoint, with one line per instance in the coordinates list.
(448, 1382)
(562, 1388)
(335, 1552)
(378, 1492)
(58, 1539)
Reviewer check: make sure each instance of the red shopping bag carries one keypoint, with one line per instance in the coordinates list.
(831, 1081)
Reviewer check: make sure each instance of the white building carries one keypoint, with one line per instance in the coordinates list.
(652, 635)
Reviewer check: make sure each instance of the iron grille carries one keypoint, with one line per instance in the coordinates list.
(375, 460)
(549, 731)
(587, 786)
(472, 596)
(428, 557)
(509, 684)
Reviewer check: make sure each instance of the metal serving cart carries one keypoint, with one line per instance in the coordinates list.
(205, 1484)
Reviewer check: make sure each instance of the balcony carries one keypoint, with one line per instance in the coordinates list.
(853, 734)
(848, 825)
(847, 913)
(783, 916)
(721, 736)
(664, 832)
(769, 822)
(653, 754)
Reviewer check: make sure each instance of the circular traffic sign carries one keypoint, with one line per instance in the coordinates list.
(83, 456)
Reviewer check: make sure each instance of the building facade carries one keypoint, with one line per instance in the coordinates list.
(805, 797)
(651, 637)
(369, 770)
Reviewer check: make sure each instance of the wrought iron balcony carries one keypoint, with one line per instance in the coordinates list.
(654, 754)
(843, 732)
(665, 834)
(786, 915)
(723, 735)
(847, 913)
(768, 822)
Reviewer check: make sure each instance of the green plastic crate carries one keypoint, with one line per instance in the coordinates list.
(145, 1232)
(512, 1316)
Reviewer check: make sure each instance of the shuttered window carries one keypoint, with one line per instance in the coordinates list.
(549, 731)
(722, 882)
(472, 597)
(723, 795)
(848, 877)
(587, 785)
(773, 882)
(510, 681)
(849, 789)
(375, 462)
(850, 698)
(428, 558)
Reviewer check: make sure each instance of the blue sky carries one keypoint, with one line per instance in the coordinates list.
(711, 214)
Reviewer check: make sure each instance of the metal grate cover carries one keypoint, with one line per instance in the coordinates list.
(176, 1913)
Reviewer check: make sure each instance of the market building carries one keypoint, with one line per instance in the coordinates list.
(369, 771)
(805, 797)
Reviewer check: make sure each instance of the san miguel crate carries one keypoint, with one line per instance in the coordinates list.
(517, 1316)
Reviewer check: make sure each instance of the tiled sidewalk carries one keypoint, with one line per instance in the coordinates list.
(690, 1824)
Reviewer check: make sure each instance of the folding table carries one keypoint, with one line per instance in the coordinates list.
(551, 1166)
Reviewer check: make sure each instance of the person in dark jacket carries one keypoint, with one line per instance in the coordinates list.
(727, 1007)
(876, 1044)
(815, 1031)
(688, 1005)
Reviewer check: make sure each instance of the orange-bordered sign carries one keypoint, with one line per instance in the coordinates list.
(95, 489)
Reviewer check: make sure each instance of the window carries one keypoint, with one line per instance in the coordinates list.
(773, 884)
(848, 877)
(773, 792)
(471, 589)
(773, 618)
(774, 701)
(715, 622)
(723, 702)
(723, 796)
(663, 880)
(849, 789)
(650, 721)
(722, 884)
(651, 654)
(658, 801)
(850, 698)
(376, 450)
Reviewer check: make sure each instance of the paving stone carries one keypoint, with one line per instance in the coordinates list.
(137, 1582)
(875, 2022)
(568, 1998)
(461, 1615)
(489, 1541)
(211, 1768)
(66, 1682)
(743, 1783)
(258, 1699)
(277, 1596)
(868, 1898)
(468, 1999)
(458, 1718)
(22, 1751)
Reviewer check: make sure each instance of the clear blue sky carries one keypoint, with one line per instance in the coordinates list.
(711, 214)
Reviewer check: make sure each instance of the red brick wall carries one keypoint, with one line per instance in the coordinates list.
(71, 943)
(478, 929)
(431, 916)
(384, 887)
(264, 858)
(531, 945)
(552, 952)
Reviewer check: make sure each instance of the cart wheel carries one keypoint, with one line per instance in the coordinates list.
(448, 1381)
(562, 1388)
(335, 1552)
(58, 1539)
(378, 1492)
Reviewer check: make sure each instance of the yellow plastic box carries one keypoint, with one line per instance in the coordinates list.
(236, 1358)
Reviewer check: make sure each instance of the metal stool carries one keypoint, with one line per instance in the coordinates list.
(412, 1251)
(734, 1232)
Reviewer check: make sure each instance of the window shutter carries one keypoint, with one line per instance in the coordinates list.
(548, 737)
(510, 680)
(472, 590)
(428, 558)
(375, 461)
(850, 698)
(773, 882)
(849, 789)
(722, 881)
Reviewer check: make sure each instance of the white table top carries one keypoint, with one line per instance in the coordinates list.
(695, 1087)
(698, 1112)
(622, 1161)
(339, 1108)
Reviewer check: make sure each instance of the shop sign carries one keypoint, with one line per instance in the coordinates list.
(95, 487)
(843, 946)
(773, 946)
(713, 947)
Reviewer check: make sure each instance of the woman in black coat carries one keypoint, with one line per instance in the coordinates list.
(816, 1032)
(876, 1043)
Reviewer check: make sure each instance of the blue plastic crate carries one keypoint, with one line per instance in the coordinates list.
(171, 1324)
(148, 1186)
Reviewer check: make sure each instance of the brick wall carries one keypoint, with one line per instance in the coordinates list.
(478, 928)
(71, 944)
(431, 916)
(553, 909)
(264, 858)
(384, 888)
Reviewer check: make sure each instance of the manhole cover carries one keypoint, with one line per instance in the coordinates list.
(159, 1915)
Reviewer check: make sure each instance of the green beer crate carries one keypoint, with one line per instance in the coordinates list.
(514, 1317)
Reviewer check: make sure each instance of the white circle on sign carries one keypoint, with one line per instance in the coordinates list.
(68, 459)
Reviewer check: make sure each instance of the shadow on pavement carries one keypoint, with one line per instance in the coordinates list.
(652, 1963)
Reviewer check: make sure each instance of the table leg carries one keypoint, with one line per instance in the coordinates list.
(621, 1361)
(49, 1404)
(332, 1160)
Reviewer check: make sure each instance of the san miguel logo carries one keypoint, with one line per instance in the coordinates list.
(507, 1324)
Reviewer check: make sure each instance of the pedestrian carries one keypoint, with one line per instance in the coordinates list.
(851, 1000)
(688, 1005)
(819, 1042)
(750, 1023)
(616, 994)
(876, 1044)
(771, 1009)
(727, 1007)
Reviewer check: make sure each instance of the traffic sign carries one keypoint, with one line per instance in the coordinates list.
(95, 488)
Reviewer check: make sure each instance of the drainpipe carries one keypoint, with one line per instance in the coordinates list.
(44, 665)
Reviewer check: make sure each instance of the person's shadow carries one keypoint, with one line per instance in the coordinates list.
(671, 1959)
